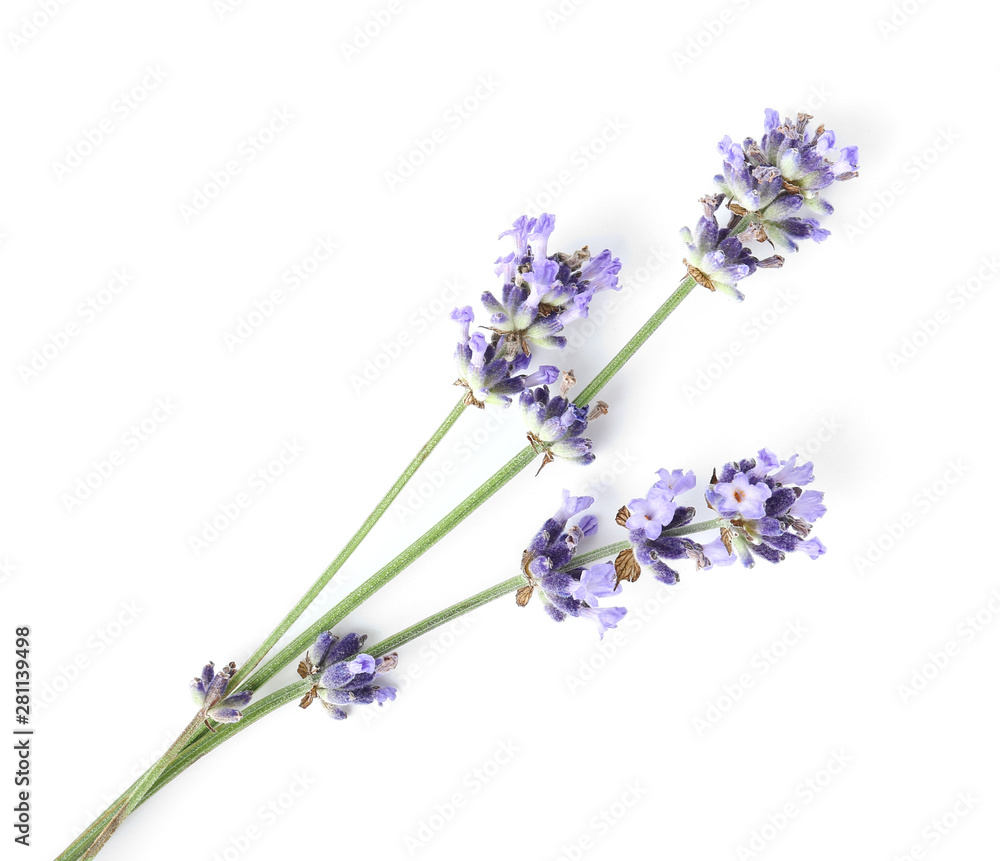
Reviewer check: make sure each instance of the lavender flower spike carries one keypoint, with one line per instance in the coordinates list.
(541, 293)
(765, 509)
(769, 181)
(808, 162)
(556, 425)
(209, 693)
(547, 566)
(517, 324)
(347, 674)
(717, 260)
(767, 184)
(488, 377)
(647, 518)
(759, 193)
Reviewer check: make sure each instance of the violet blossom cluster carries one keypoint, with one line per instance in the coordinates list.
(209, 693)
(540, 294)
(768, 184)
(565, 589)
(763, 512)
(766, 511)
(556, 425)
(488, 377)
(649, 521)
(346, 674)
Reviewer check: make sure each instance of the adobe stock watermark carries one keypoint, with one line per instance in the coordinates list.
(931, 325)
(224, 8)
(269, 814)
(580, 160)
(247, 151)
(8, 569)
(938, 660)
(96, 644)
(818, 96)
(365, 33)
(418, 321)
(561, 12)
(804, 794)
(899, 16)
(911, 172)
(697, 44)
(601, 823)
(921, 504)
(106, 797)
(32, 24)
(934, 833)
(470, 786)
(762, 662)
(616, 641)
(291, 279)
(95, 134)
(103, 469)
(604, 474)
(259, 481)
(454, 117)
(750, 333)
(58, 340)
(829, 427)
(436, 475)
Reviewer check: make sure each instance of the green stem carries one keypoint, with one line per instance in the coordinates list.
(651, 325)
(102, 828)
(191, 754)
(380, 578)
(289, 693)
(390, 644)
(431, 537)
(253, 713)
(134, 797)
(692, 528)
(584, 559)
(251, 663)
(383, 647)
(492, 485)
(295, 691)
(86, 837)
(637, 340)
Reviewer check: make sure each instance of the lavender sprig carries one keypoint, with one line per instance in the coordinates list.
(764, 510)
(561, 548)
(566, 590)
(209, 693)
(344, 674)
(767, 184)
(542, 293)
(803, 167)
(556, 425)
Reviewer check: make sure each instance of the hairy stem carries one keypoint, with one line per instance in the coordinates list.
(290, 618)
(384, 575)
(295, 691)
(203, 745)
(142, 785)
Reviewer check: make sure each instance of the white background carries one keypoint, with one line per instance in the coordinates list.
(814, 374)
